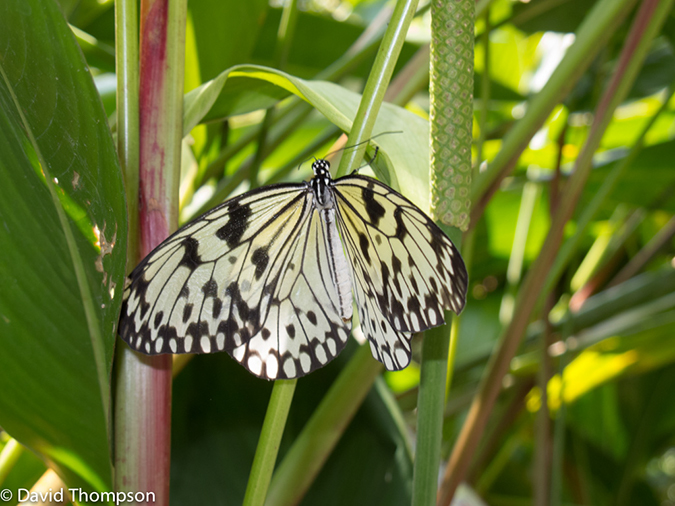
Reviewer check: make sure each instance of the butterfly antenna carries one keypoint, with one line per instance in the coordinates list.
(364, 142)
(369, 162)
(354, 146)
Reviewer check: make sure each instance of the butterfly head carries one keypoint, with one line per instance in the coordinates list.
(321, 168)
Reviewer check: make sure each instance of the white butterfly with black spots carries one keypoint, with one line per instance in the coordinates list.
(268, 276)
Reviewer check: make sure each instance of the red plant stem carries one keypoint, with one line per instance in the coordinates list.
(155, 210)
(143, 418)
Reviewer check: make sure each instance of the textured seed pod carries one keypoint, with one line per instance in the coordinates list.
(451, 91)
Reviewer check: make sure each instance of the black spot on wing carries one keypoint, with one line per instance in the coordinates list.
(237, 224)
(364, 243)
(260, 259)
(187, 312)
(217, 307)
(401, 231)
(158, 318)
(210, 288)
(311, 316)
(191, 258)
(373, 207)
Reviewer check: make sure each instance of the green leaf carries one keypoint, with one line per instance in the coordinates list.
(63, 242)
(403, 162)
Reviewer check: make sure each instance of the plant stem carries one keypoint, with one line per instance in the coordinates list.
(377, 84)
(322, 432)
(310, 450)
(268, 445)
(8, 457)
(451, 97)
(126, 49)
(143, 394)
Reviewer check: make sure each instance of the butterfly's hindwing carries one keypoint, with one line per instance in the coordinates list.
(305, 328)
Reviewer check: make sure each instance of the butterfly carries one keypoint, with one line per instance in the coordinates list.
(270, 276)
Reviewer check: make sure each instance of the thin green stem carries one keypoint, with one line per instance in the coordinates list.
(377, 83)
(485, 88)
(268, 445)
(323, 430)
(8, 457)
(311, 449)
(452, 41)
(126, 62)
(285, 34)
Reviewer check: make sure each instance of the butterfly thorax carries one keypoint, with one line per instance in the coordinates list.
(320, 184)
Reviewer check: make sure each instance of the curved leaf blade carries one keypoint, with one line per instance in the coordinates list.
(403, 162)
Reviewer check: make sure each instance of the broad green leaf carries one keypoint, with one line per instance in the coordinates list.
(63, 243)
(403, 162)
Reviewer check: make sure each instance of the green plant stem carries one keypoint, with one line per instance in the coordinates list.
(646, 24)
(451, 97)
(593, 34)
(377, 84)
(485, 89)
(323, 430)
(268, 445)
(285, 34)
(8, 457)
(126, 49)
(292, 478)
(430, 403)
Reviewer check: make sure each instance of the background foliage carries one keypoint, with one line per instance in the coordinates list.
(600, 349)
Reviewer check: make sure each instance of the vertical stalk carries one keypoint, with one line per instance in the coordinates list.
(143, 395)
(126, 64)
(268, 445)
(451, 94)
(377, 83)
(8, 457)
